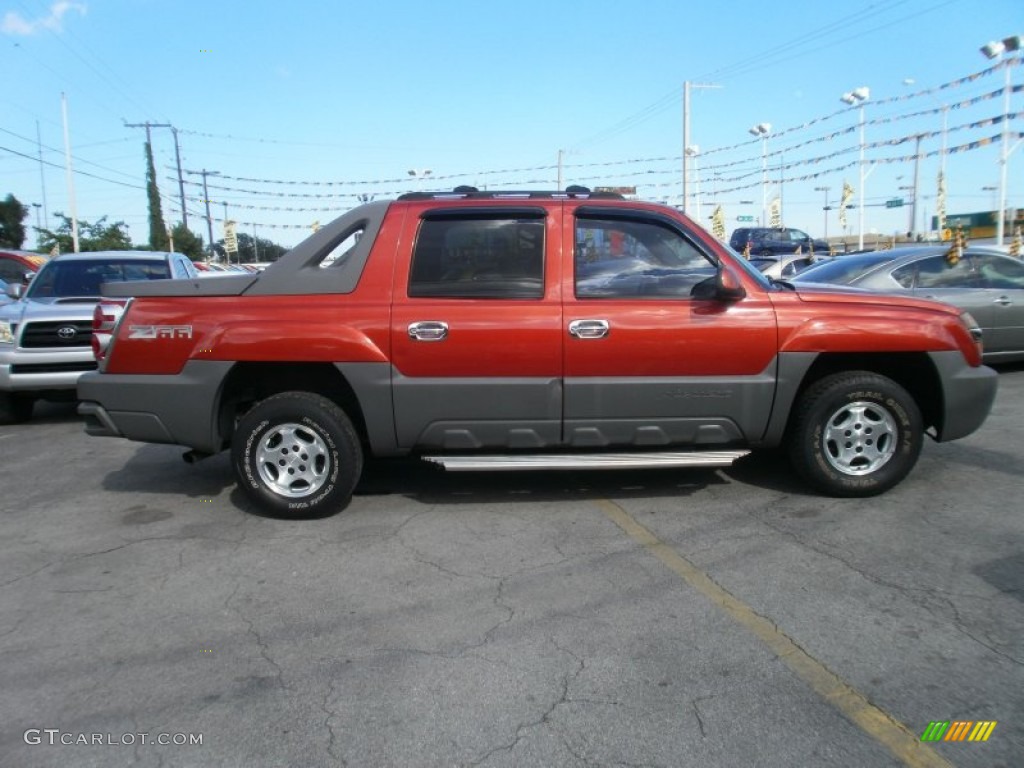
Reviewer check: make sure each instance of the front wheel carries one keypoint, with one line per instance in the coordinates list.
(855, 434)
(297, 455)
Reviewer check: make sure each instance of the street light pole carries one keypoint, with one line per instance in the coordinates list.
(419, 174)
(762, 130)
(687, 86)
(858, 96)
(996, 50)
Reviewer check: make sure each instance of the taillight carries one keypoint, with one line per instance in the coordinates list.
(105, 318)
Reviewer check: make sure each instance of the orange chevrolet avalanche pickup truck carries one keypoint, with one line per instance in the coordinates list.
(526, 330)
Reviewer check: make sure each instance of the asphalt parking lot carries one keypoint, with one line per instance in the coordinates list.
(684, 618)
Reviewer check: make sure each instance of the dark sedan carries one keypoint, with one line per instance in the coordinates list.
(984, 282)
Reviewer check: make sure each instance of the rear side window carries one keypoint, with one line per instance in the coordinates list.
(479, 257)
(937, 272)
(1001, 272)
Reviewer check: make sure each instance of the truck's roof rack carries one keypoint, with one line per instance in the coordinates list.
(472, 193)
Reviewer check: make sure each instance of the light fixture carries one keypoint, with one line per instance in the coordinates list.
(761, 129)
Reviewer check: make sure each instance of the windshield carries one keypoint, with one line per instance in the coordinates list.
(82, 277)
(843, 269)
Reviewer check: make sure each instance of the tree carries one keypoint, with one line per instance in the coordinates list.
(91, 237)
(187, 242)
(12, 231)
(157, 227)
(251, 249)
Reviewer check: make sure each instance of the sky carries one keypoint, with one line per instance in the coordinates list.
(308, 105)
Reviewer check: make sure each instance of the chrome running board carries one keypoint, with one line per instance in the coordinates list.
(535, 461)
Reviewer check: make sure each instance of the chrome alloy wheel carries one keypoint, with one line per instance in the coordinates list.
(860, 438)
(293, 460)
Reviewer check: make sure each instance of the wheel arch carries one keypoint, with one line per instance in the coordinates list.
(914, 371)
(357, 389)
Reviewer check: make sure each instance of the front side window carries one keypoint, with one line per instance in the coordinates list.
(636, 259)
(479, 256)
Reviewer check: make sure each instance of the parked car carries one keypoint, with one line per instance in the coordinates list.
(783, 267)
(984, 282)
(773, 241)
(15, 265)
(46, 333)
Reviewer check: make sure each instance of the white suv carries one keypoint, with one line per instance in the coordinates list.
(46, 334)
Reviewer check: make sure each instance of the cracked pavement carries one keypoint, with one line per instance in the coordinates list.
(500, 619)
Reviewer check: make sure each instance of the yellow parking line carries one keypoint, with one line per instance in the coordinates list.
(875, 722)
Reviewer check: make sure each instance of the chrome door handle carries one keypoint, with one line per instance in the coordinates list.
(588, 329)
(1003, 301)
(428, 330)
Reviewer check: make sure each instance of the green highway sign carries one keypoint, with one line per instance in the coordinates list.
(744, 218)
(894, 203)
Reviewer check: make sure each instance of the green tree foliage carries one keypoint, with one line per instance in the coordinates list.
(157, 227)
(187, 242)
(12, 214)
(250, 249)
(91, 237)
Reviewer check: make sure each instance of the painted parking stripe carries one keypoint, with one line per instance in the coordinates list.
(875, 722)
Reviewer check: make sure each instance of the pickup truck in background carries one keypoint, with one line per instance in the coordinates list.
(526, 330)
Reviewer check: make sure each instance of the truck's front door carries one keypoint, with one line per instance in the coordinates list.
(646, 364)
(476, 328)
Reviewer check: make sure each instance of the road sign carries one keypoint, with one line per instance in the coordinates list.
(894, 203)
(744, 218)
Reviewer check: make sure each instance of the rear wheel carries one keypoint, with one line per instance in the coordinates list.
(855, 434)
(296, 455)
(15, 408)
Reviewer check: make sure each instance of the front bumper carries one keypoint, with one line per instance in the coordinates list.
(967, 394)
(27, 371)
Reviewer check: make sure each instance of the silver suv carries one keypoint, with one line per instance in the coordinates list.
(46, 333)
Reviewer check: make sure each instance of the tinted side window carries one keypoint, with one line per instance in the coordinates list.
(937, 272)
(13, 271)
(635, 259)
(1000, 272)
(473, 258)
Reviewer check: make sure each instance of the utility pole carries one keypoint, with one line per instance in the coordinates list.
(70, 172)
(825, 208)
(177, 156)
(561, 152)
(206, 199)
(42, 176)
(181, 182)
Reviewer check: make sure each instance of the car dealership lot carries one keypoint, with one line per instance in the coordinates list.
(646, 618)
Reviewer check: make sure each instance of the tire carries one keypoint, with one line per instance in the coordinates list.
(297, 455)
(15, 408)
(855, 434)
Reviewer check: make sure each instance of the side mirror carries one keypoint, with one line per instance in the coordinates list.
(723, 286)
(15, 290)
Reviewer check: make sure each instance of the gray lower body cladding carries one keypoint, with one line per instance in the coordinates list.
(404, 414)
(179, 409)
